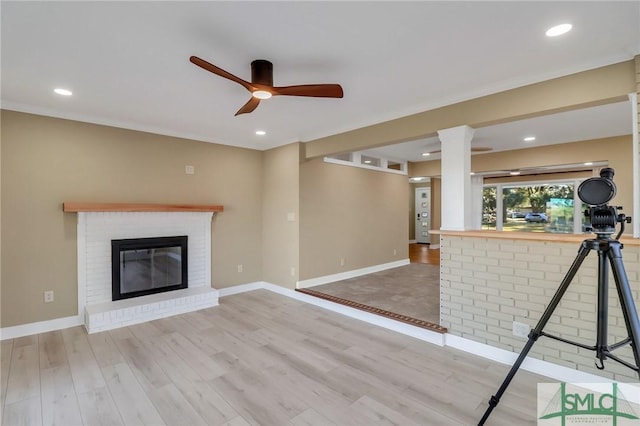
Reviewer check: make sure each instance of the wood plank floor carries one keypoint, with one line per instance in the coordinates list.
(423, 253)
(258, 358)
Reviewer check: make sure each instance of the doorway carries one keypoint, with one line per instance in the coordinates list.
(423, 215)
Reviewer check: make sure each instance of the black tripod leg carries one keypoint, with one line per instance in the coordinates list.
(535, 333)
(628, 307)
(602, 349)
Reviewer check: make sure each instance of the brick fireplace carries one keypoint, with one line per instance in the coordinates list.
(100, 224)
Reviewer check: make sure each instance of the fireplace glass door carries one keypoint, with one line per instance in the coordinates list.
(144, 266)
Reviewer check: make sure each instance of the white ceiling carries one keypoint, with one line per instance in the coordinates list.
(128, 62)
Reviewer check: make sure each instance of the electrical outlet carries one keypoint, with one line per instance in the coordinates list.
(293, 271)
(342, 261)
(240, 268)
(395, 252)
(520, 329)
(48, 296)
(190, 170)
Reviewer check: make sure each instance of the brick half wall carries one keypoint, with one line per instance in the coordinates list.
(488, 283)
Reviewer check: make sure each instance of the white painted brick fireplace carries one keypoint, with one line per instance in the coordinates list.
(95, 232)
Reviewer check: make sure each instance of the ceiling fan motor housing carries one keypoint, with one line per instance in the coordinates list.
(262, 72)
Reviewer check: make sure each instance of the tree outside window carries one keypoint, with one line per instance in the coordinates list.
(540, 207)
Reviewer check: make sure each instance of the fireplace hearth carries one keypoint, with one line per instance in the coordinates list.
(142, 266)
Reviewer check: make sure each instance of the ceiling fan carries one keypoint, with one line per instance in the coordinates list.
(261, 85)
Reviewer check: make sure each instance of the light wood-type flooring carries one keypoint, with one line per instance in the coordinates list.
(258, 358)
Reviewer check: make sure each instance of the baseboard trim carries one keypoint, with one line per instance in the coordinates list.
(532, 365)
(242, 288)
(40, 327)
(543, 368)
(350, 274)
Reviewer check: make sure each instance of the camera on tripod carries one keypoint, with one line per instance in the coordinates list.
(597, 192)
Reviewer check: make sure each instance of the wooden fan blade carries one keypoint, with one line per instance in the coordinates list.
(249, 106)
(313, 90)
(222, 73)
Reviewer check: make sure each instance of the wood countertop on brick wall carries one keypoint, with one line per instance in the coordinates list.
(73, 207)
(531, 236)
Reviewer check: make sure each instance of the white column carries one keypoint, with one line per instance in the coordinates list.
(456, 179)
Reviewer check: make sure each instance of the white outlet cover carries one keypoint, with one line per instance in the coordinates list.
(521, 329)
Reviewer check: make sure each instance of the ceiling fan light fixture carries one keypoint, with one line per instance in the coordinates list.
(558, 30)
(63, 92)
(261, 94)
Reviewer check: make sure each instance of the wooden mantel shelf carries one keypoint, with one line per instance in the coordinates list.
(72, 207)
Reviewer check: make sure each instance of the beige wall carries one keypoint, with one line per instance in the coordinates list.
(46, 161)
(352, 213)
(617, 152)
(280, 234)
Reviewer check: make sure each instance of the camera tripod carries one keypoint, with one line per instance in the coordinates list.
(607, 249)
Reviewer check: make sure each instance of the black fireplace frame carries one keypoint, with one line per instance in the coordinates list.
(140, 244)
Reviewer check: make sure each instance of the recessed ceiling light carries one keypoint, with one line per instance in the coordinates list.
(472, 173)
(260, 132)
(529, 139)
(588, 163)
(63, 92)
(426, 154)
(367, 161)
(261, 94)
(514, 173)
(558, 30)
(417, 178)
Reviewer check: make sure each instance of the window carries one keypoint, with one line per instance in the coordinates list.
(543, 206)
(368, 161)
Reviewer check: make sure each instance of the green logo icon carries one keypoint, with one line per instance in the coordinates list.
(588, 404)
